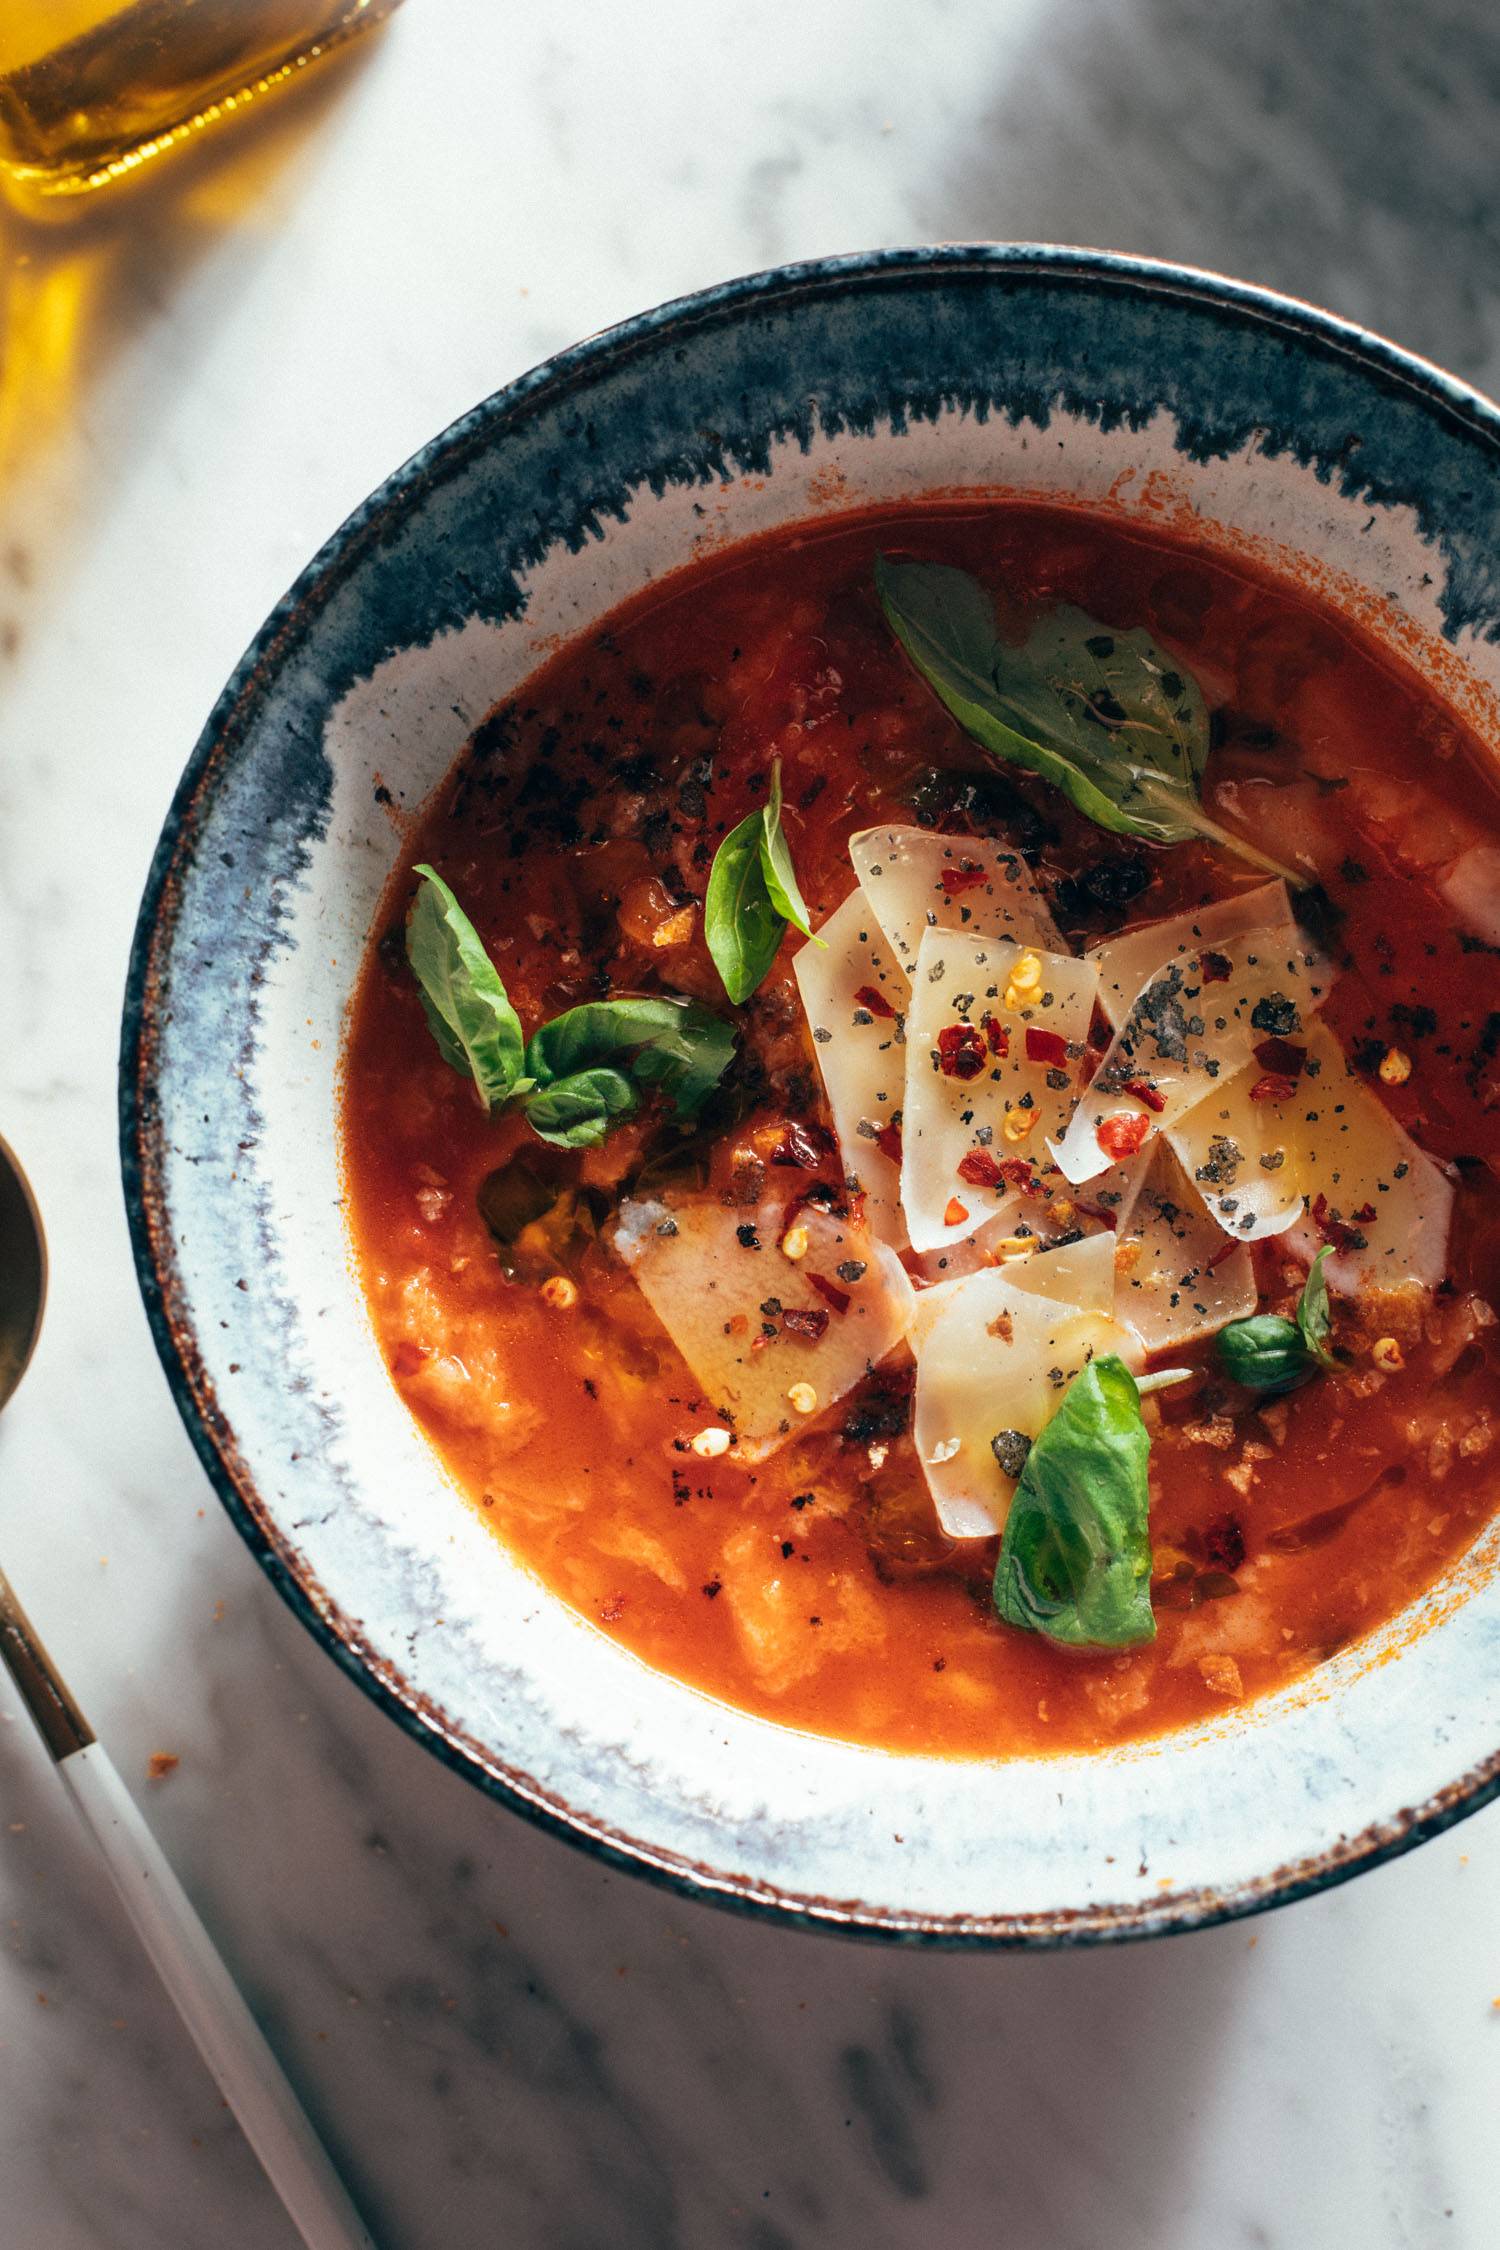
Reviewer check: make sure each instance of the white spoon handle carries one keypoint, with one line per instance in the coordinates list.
(211, 2005)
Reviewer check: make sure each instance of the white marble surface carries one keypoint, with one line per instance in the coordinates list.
(504, 2044)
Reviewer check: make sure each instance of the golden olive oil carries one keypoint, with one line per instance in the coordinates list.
(91, 89)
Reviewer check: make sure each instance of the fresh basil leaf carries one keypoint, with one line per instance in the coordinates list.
(1107, 717)
(776, 863)
(1075, 1561)
(1266, 1353)
(741, 923)
(1313, 1315)
(1270, 1354)
(477, 1030)
(675, 1044)
(578, 1111)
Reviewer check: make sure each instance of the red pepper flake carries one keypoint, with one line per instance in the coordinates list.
(803, 1145)
(830, 1292)
(888, 1141)
(1016, 1172)
(1225, 1250)
(1048, 1047)
(1121, 1135)
(407, 1358)
(1144, 1091)
(981, 1169)
(1105, 1216)
(1274, 1087)
(996, 1037)
(1335, 1232)
(1215, 968)
(809, 1323)
(1363, 1215)
(1283, 1056)
(1100, 1033)
(956, 880)
(956, 1212)
(869, 996)
(960, 1051)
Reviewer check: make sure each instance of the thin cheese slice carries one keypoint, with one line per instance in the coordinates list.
(916, 881)
(1187, 1032)
(991, 1071)
(856, 1000)
(753, 1324)
(1176, 1278)
(1081, 1274)
(1382, 1203)
(1247, 1155)
(993, 1357)
(1129, 962)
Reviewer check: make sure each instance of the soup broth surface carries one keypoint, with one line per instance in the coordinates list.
(814, 1586)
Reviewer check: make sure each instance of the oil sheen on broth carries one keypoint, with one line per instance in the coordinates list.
(804, 1520)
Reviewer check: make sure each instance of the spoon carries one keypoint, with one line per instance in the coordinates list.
(182, 1953)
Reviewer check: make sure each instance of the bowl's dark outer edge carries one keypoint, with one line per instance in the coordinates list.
(140, 1134)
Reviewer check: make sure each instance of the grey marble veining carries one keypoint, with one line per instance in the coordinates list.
(506, 2044)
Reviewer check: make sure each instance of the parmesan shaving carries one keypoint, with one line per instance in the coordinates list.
(916, 881)
(1185, 1033)
(993, 1357)
(860, 1051)
(991, 1071)
(1129, 962)
(751, 1326)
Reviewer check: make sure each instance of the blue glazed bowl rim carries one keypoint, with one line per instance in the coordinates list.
(542, 386)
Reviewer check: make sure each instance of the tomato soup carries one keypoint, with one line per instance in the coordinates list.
(720, 1318)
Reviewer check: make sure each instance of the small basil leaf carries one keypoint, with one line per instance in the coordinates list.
(776, 863)
(477, 1030)
(577, 1112)
(1075, 1561)
(1314, 1318)
(741, 924)
(1106, 717)
(688, 1061)
(675, 1044)
(1266, 1353)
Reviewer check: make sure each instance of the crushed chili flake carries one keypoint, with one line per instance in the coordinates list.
(1121, 1135)
(1283, 1056)
(1017, 1172)
(1215, 968)
(1048, 1047)
(1336, 1232)
(803, 1145)
(1225, 1250)
(871, 997)
(957, 879)
(888, 1141)
(981, 1169)
(830, 1292)
(1144, 1091)
(956, 1212)
(809, 1322)
(1275, 1086)
(997, 1038)
(1104, 1215)
(960, 1051)
(407, 1357)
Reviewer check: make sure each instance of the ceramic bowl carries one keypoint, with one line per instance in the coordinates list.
(1170, 398)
